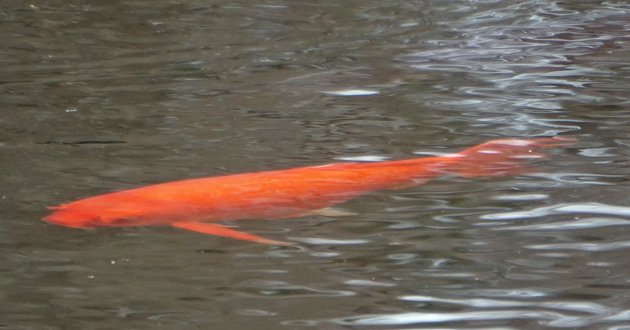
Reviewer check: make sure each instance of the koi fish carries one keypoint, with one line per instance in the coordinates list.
(198, 204)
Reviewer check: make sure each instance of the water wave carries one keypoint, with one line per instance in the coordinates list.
(520, 60)
(564, 208)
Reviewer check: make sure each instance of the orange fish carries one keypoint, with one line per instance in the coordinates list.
(197, 204)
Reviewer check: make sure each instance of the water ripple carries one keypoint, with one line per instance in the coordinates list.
(281, 289)
(569, 208)
(328, 241)
(574, 224)
(548, 318)
(575, 306)
(579, 178)
(591, 313)
(587, 247)
(526, 57)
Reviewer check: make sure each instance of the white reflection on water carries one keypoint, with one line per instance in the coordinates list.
(597, 152)
(569, 225)
(521, 197)
(505, 293)
(576, 306)
(326, 241)
(569, 208)
(353, 92)
(576, 178)
(574, 313)
(363, 158)
(521, 62)
(369, 283)
(589, 247)
(619, 215)
(545, 317)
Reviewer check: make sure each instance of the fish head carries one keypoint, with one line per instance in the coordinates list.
(78, 216)
(72, 217)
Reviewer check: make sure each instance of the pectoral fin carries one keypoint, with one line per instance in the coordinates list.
(218, 230)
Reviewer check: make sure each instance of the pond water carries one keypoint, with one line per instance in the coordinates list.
(97, 96)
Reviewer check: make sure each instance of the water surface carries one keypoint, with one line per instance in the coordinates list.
(100, 96)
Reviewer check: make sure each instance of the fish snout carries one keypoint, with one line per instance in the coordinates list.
(72, 218)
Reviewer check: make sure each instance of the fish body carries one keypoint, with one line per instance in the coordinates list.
(198, 204)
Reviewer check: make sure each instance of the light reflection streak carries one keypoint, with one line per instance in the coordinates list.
(568, 208)
(527, 66)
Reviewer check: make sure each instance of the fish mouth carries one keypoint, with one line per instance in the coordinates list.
(69, 219)
(60, 223)
(55, 221)
(76, 219)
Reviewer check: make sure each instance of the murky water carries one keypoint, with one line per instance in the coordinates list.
(98, 96)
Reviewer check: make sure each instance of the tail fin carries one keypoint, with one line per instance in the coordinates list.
(502, 157)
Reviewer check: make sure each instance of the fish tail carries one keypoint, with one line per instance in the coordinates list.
(502, 157)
